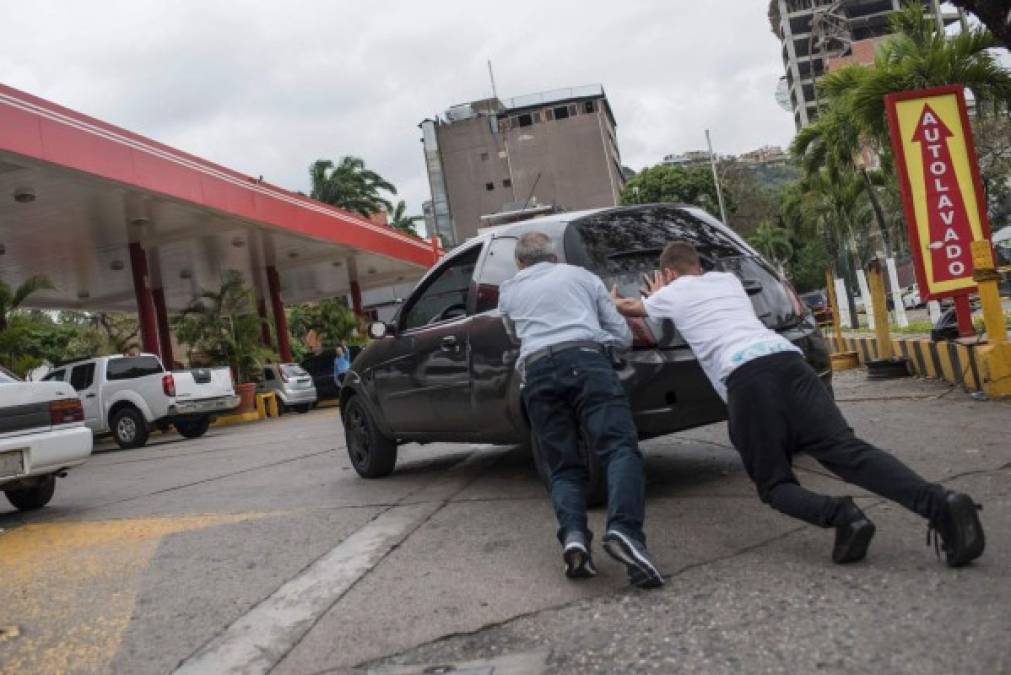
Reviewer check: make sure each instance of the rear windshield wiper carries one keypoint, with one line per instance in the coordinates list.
(655, 250)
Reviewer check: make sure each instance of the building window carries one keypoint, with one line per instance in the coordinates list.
(572, 108)
(588, 107)
(561, 112)
(489, 186)
(484, 156)
(507, 183)
(524, 120)
(548, 115)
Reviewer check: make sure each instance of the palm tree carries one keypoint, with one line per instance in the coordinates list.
(401, 221)
(350, 186)
(12, 298)
(222, 327)
(772, 242)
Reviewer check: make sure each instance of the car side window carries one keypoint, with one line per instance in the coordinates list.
(444, 296)
(82, 377)
(499, 265)
(55, 376)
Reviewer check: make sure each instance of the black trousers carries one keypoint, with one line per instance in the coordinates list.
(778, 407)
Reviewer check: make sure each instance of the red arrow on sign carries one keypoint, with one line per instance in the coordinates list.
(948, 221)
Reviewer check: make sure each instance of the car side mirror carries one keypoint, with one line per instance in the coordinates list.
(379, 329)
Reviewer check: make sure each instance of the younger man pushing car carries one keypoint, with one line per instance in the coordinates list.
(778, 407)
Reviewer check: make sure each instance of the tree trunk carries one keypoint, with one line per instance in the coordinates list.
(879, 215)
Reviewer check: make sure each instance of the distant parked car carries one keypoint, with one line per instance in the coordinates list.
(127, 396)
(291, 384)
(817, 302)
(42, 435)
(320, 367)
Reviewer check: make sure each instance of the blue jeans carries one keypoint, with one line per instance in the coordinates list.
(574, 397)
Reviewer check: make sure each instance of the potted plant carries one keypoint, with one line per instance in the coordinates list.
(221, 327)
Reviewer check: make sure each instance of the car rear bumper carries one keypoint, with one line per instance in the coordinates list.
(204, 406)
(296, 396)
(669, 392)
(47, 451)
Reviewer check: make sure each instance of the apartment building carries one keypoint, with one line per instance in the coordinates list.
(817, 34)
(496, 156)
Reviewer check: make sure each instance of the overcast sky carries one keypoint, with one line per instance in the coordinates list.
(268, 87)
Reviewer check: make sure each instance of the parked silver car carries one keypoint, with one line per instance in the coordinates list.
(291, 384)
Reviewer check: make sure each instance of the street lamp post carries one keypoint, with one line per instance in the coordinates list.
(716, 179)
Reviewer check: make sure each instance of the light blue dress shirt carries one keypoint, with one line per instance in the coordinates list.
(551, 303)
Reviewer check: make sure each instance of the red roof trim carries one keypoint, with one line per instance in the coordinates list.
(36, 128)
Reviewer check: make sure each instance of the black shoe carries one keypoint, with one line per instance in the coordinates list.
(959, 530)
(633, 555)
(578, 563)
(853, 533)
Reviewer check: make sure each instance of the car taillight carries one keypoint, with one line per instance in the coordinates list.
(642, 336)
(799, 308)
(168, 385)
(65, 411)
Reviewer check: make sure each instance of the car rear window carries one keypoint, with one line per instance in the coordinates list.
(292, 370)
(6, 377)
(132, 367)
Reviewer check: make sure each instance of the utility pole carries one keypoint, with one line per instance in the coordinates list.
(491, 76)
(716, 179)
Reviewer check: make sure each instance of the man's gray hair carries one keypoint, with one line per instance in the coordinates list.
(535, 247)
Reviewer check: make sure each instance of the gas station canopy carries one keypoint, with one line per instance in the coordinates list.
(98, 210)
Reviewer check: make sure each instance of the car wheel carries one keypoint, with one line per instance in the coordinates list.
(129, 428)
(372, 454)
(596, 486)
(303, 408)
(35, 497)
(193, 428)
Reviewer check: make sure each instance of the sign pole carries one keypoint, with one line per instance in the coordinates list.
(963, 312)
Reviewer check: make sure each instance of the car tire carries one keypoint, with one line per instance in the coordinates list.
(35, 497)
(129, 428)
(193, 428)
(372, 454)
(303, 408)
(596, 486)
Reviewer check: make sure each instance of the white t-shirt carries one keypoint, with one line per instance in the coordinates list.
(716, 318)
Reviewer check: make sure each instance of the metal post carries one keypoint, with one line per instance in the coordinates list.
(356, 299)
(280, 320)
(836, 317)
(145, 305)
(876, 281)
(716, 179)
(164, 332)
(986, 277)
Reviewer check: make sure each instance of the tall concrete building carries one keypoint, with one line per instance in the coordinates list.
(491, 157)
(817, 34)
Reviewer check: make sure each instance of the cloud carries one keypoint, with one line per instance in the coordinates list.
(266, 87)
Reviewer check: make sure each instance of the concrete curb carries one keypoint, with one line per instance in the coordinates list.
(957, 363)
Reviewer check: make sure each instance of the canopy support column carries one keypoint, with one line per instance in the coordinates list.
(280, 320)
(145, 303)
(164, 332)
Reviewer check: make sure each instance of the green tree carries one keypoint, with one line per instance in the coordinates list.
(401, 221)
(809, 264)
(994, 14)
(221, 328)
(331, 320)
(772, 242)
(11, 299)
(685, 185)
(350, 185)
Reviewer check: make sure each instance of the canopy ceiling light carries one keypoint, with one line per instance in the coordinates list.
(238, 242)
(185, 274)
(116, 265)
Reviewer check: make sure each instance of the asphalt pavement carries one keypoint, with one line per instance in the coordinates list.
(258, 549)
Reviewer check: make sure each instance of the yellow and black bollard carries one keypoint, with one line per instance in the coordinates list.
(996, 354)
(841, 359)
(886, 365)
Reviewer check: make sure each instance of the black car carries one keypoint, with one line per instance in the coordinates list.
(321, 367)
(444, 369)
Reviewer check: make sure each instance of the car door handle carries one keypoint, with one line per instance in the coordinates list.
(449, 343)
(90, 396)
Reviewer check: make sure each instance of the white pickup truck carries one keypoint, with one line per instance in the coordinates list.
(127, 396)
(41, 436)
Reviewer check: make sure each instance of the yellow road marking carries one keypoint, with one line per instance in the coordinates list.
(69, 588)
